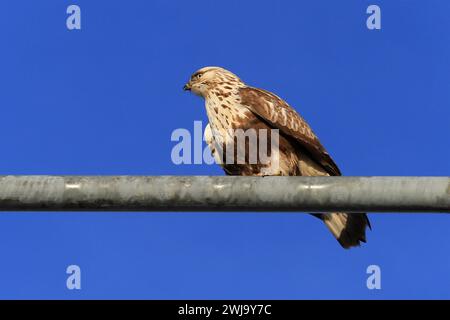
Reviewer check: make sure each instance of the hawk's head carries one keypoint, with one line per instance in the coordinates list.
(208, 78)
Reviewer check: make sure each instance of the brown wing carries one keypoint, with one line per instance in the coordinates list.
(280, 115)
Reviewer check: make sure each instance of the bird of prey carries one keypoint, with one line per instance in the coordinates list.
(231, 105)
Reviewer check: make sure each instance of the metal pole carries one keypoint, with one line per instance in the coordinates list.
(221, 193)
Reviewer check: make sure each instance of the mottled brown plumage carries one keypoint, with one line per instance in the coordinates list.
(231, 106)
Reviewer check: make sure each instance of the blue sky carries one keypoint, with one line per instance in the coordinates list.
(105, 99)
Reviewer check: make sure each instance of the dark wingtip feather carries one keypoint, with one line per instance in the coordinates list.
(355, 230)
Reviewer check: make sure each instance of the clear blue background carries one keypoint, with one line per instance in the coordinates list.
(105, 100)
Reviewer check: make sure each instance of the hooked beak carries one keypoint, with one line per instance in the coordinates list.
(187, 87)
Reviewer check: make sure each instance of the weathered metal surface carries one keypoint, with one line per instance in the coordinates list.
(222, 193)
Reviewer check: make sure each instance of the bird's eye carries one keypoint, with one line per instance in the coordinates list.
(199, 76)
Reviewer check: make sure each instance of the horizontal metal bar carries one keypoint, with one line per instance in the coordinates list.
(222, 193)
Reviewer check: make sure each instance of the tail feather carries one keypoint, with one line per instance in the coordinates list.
(348, 228)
